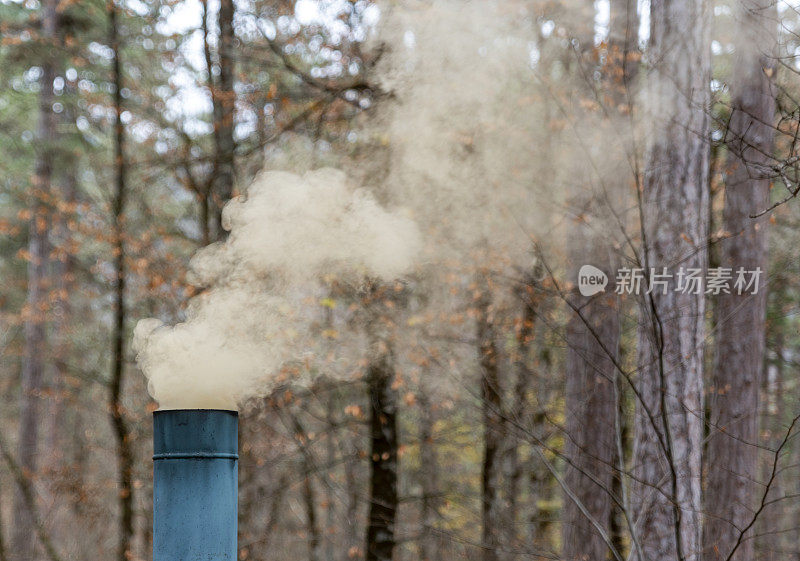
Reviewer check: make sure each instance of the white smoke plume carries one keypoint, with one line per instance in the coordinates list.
(493, 129)
(252, 317)
(466, 126)
(478, 139)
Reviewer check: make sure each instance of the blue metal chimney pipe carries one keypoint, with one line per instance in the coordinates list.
(195, 462)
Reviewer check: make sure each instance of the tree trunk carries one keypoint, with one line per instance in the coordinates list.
(383, 498)
(331, 487)
(312, 530)
(429, 478)
(666, 498)
(26, 488)
(540, 483)
(22, 544)
(740, 330)
(512, 464)
(3, 553)
(618, 527)
(224, 100)
(116, 408)
(592, 341)
(623, 42)
(491, 402)
(625, 55)
(353, 492)
(62, 273)
(62, 260)
(308, 468)
(774, 531)
(205, 193)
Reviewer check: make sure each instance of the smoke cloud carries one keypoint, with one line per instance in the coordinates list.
(251, 318)
(485, 146)
(466, 128)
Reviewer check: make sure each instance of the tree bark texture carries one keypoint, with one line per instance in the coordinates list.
(22, 544)
(592, 340)
(740, 330)
(666, 495)
(224, 101)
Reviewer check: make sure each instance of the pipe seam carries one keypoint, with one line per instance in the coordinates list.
(194, 455)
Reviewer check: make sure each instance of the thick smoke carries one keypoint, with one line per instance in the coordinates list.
(481, 141)
(250, 321)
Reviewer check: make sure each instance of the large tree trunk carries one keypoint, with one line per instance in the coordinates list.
(740, 330)
(592, 340)
(224, 100)
(591, 515)
(22, 544)
(666, 497)
(116, 409)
